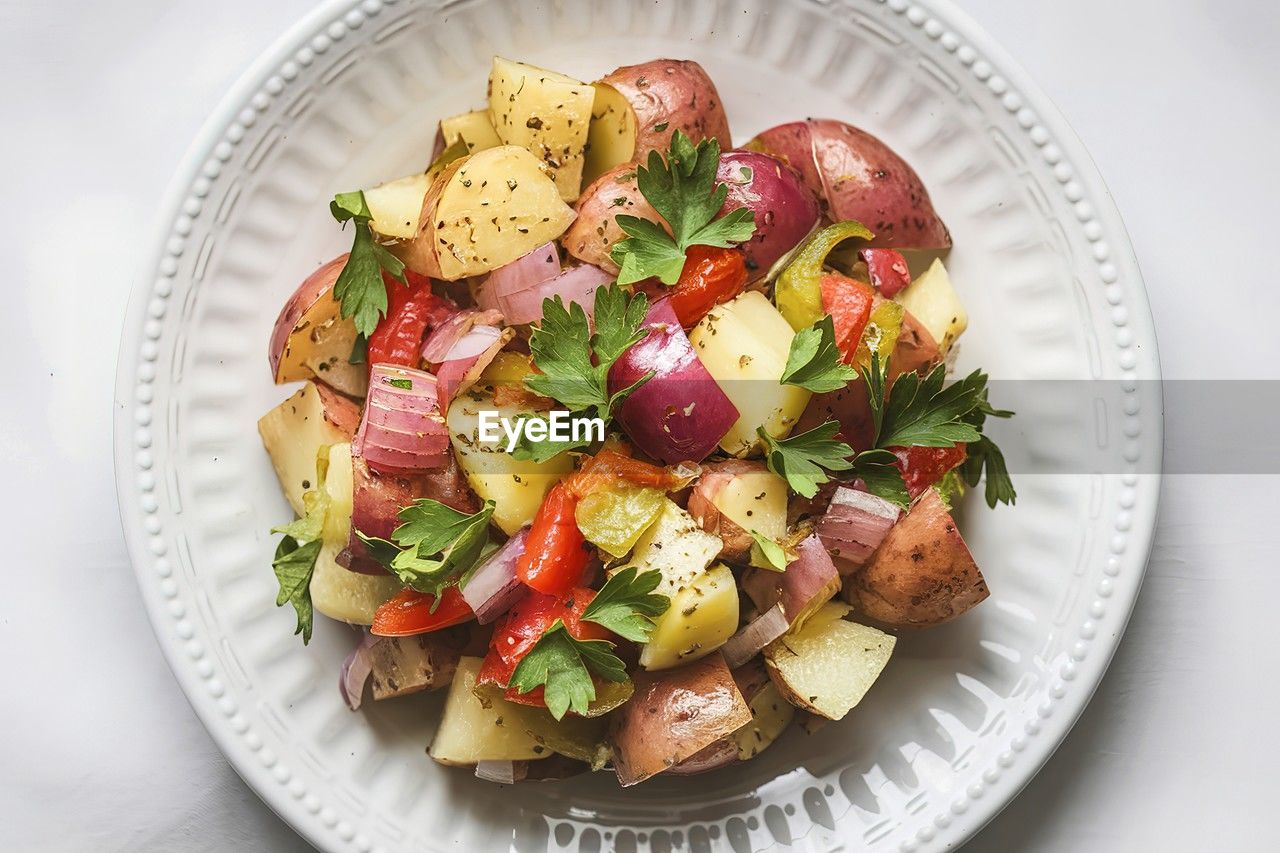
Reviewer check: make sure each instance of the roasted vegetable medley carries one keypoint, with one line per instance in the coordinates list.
(638, 444)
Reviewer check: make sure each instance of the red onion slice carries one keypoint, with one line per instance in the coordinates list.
(524, 273)
(809, 581)
(854, 526)
(468, 358)
(576, 284)
(356, 670)
(402, 428)
(681, 413)
(754, 636)
(493, 588)
(445, 336)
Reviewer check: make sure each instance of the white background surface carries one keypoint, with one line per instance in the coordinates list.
(99, 750)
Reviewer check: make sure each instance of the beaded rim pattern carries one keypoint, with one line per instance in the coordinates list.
(272, 75)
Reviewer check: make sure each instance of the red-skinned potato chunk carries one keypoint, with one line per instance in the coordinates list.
(294, 431)
(922, 574)
(673, 715)
(311, 339)
(595, 231)
(378, 497)
(735, 492)
(404, 665)
(858, 177)
(482, 212)
(784, 208)
(770, 712)
(638, 108)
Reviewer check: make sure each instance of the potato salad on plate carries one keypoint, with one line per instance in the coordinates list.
(637, 445)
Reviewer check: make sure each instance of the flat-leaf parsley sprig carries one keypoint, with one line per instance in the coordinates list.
(684, 192)
(565, 667)
(360, 288)
(574, 362)
(914, 411)
(295, 558)
(922, 412)
(434, 545)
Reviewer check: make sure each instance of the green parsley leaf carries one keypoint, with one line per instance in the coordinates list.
(295, 557)
(814, 360)
(400, 382)
(360, 288)
(564, 666)
(684, 192)
(382, 550)
(432, 526)
(772, 556)
(294, 565)
(350, 205)
(983, 455)
(575, 362)
(619, 319)
(800, 459)
(359, 351)
(626, 604)
(648, 252)
(878, 470)
(921, 412)
(434, 544)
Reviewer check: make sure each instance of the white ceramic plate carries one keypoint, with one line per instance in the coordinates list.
(964, 715)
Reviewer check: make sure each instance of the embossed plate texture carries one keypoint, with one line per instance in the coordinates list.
(964, 715)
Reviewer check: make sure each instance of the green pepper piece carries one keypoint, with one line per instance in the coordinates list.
(798, 293)
(883, 327)
(614, 518)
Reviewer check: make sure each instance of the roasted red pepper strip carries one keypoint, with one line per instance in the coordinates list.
(411, 310)
(410, 613)
(921, 467)
(555, 553)
(849, 304)
(609, 466)
(887, 269)
(522, 627)
(711, 275)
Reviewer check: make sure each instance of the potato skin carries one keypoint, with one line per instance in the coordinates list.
(595, 231)
(310, 338)
(858, 177)
(915, 350)
(674, 715)
(669, 95)
(737, 542)
(377, 498)
(784, 207)
(751, 678)
(404, 665)
(422, 254)
(922, 574)
(338, 410)
(308, 293)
